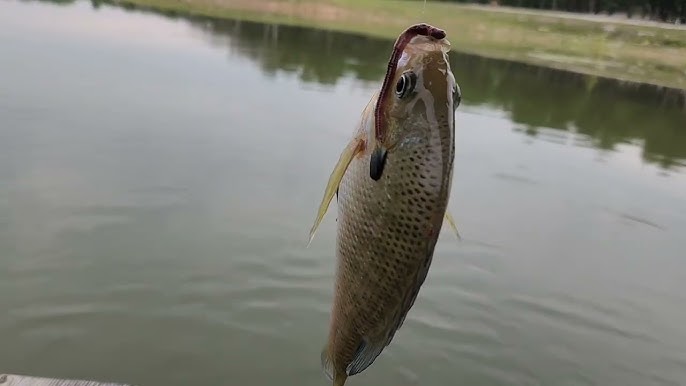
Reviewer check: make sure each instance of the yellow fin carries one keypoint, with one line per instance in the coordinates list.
(354, 147)
(451, 221)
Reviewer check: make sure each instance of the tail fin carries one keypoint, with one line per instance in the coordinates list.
(340, 379)
(330, 371)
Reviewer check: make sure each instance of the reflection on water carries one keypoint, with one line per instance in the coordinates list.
(159, 176)
(609, 112)
(323, 57)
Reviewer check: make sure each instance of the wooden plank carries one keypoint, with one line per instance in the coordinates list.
(22, 380)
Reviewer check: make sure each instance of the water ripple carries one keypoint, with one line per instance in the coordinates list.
(576, 316)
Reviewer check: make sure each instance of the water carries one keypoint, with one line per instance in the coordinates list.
(159, 177)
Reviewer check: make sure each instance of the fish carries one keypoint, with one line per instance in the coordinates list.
(392, 184)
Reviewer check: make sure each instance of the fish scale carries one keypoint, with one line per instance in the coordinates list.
(384, 251)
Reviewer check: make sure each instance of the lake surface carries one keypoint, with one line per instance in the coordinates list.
(159, 176)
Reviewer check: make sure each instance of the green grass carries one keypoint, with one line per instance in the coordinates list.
(639, 53)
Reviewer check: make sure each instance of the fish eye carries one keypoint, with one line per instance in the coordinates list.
(405, 84)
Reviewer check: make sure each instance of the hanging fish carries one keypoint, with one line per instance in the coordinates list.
(392, 183)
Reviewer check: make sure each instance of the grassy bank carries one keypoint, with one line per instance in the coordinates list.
(641, 53)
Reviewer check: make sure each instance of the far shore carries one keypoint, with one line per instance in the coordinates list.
(614, 47)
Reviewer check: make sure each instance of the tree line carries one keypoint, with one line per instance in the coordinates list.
(671, 11)
(631, 113)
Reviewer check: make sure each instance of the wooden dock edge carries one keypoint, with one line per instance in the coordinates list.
(23, 380)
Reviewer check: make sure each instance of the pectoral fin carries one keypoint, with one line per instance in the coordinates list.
(354, 147)
(451, 221)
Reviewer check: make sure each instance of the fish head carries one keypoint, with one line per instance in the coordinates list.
(419, 93)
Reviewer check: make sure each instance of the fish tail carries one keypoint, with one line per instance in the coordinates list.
(338, 378)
